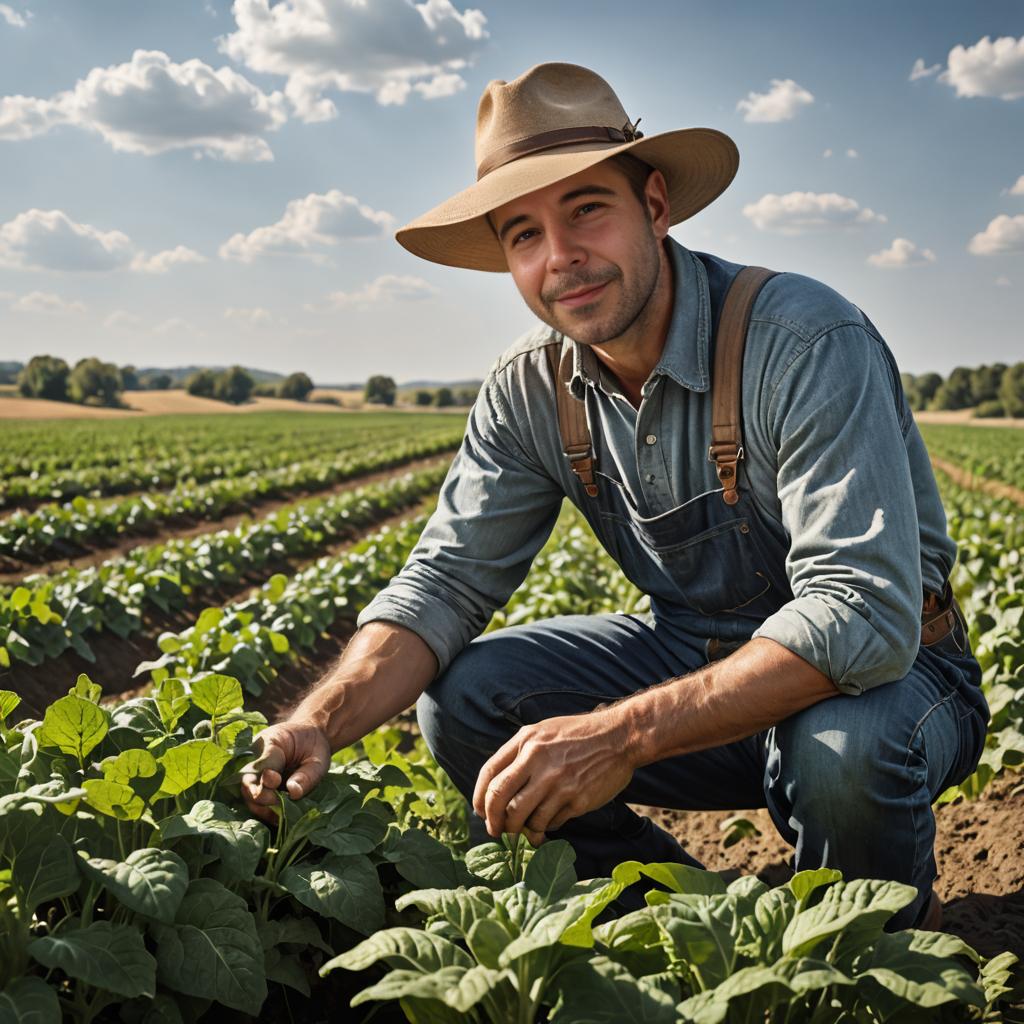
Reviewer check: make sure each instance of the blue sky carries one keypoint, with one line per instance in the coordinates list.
(213, 182)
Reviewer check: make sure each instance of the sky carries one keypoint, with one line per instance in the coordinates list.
(207, 182)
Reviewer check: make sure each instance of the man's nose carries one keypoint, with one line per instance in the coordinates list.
(564, 251)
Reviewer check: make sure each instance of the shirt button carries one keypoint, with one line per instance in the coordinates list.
(651, 478)
(651, 438)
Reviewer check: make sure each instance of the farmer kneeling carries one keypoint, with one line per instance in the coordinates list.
(756, 471)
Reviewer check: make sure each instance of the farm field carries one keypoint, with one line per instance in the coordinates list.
(169, 584)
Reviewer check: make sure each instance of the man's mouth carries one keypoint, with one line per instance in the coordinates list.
(583, 296)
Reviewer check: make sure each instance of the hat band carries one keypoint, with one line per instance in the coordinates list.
(553, 139)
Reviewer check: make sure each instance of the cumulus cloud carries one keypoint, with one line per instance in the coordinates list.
(308, 225)
(250, 316)
(920, 71)
(122, 320)
(798, 212)
(384, 290)
(902, 253)
(1003, 281)
(852, 154)
(46, 302)
(175, 325)
(161, 262)
(13, 17)
(780, 103)
(388, 48)
(152, 105)
(1017, 189)
(51, 240)
(987, 68)
(827, 154)
(1003, 234)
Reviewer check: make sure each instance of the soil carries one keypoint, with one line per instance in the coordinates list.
(970, 482)
(966, 418)
(979, 850)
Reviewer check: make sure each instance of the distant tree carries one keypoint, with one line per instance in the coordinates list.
(381, 390)
(992, 409)
(443, 398)
(955, 391)
(266, 389)
(465, 396)
(907, 380)
(925, 386)
(130, 378)
(9, 370)
(45, 377)
(157, 381)
(234, 385)
(202, 383)
(94, 382)
(1011, 390)
(424, 397)
(985, 381)
(296, 386)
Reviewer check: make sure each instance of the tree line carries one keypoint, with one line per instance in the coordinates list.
(991, 390)
(382, 390)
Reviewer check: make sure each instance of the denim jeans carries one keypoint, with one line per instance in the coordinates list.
(848, 782)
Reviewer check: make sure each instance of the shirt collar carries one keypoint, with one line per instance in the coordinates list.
(685, 355)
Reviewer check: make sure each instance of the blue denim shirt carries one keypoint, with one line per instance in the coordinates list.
(839, 528)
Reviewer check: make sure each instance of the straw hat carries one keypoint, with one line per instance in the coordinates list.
(550, 123)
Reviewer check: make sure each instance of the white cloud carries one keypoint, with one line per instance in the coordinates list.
(152, 105)
(852, 154)
(780, 103)
(310, 223)
(827, 154)
(251, 316)
(13, 17)
(1018, 188)
(175, 325)
(122, 320)
(920, 71)
(1003, 281)
(384, 290)
(799, 212)
(161, 262)
(46, 302)
(51, 240)
(902, 253)
(987, 68)
(386, 47)
(1003, 234)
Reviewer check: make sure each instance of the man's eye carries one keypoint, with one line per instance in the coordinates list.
(588, 206)
(522, 236)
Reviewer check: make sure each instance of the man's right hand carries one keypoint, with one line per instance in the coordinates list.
(295, 751)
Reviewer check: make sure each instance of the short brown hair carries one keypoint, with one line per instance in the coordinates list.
(636, 171)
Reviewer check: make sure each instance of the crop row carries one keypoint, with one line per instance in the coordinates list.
(134, 886)
(47, 615)
(993, 453)
(45, 447)
(52, 529)
(158, 473)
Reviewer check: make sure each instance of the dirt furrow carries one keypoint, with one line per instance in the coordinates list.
(962, 478)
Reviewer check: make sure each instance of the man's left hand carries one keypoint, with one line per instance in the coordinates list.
(553, 771)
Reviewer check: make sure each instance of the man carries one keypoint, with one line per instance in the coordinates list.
(782, 664)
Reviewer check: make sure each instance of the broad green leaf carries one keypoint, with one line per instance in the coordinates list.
(858, 909)
(217, 695)
(702, 930)
(455, 987)
(20, 598)
(172, 701)
(239, 841)
(803, 883)
(150, 881)
(110, 956)
(212, 950)
(460, 907)
(363, 833)
(401, 948)
(114, 799)
(190, 763)
(600, 991)
(208, 619)
(74, 725)
(129, 764)
(43, 870)
(490, 861)
(487, 939)
(291, 931)
(29, 1001)
(636, 941)
(346, 889)
(423, 860)
(550, 872)
(8, 702)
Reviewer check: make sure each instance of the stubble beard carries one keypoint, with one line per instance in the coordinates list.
(633, 303)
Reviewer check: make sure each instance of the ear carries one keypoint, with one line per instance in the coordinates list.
(656, 201)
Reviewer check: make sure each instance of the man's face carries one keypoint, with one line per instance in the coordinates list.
(584, 253)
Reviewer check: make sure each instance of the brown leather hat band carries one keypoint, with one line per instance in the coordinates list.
(550, 140)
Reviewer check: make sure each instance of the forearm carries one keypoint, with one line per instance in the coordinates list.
(382, 671)
(751, 690)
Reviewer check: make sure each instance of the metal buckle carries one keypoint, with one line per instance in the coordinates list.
(738, 456)
(576, 456)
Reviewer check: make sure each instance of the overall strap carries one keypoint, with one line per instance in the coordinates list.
(572, 418)
(726, 447)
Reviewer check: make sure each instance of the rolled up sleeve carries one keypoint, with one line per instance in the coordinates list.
(847, 499)
(495, 510)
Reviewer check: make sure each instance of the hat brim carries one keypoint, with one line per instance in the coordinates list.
(698, 164)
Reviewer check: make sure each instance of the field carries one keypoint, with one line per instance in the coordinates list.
(170, 583)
